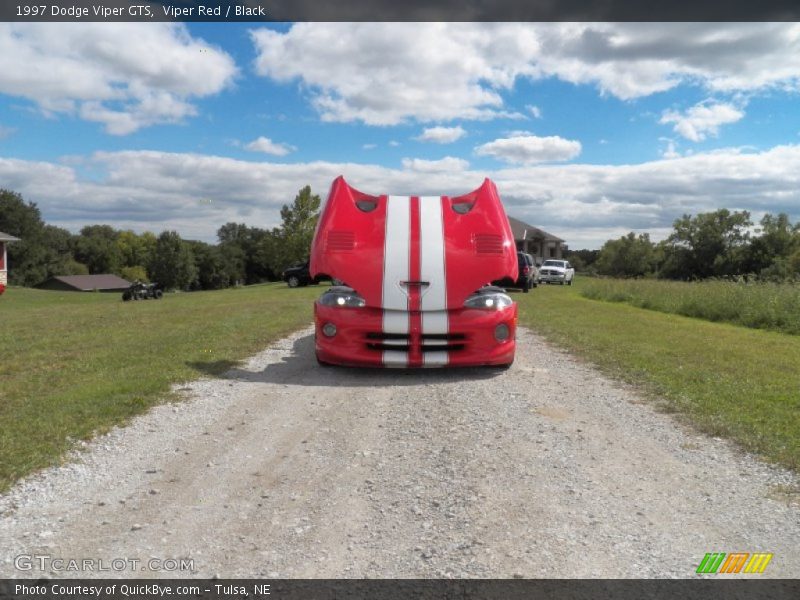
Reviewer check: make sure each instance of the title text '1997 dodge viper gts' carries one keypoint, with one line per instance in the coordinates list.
(416, 271)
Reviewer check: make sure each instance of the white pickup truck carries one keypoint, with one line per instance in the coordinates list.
(556, 271)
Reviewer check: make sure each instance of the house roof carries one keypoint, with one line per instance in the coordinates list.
(94, 282)
(4, 237)
(523, 231)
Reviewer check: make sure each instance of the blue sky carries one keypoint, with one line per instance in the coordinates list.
(590, 130)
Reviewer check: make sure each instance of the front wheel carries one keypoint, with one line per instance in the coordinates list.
(293, 281)
(158, 294)
(569, 282)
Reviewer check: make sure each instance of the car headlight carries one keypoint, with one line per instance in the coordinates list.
(489, 301)
(342, 297)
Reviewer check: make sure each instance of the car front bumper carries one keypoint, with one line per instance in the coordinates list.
(360, 341)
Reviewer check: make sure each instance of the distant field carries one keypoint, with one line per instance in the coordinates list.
(728, 380)
(75, 363)
(758, 305)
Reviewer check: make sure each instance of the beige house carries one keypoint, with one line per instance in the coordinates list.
(536, 242)
(4, 239)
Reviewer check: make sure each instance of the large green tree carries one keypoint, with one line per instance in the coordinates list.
(628, 256)
(241, 250)
(97, 248)
(707, 245)
(214, 270)
(172, 264)
(770, 253)
(291, 243)
(29, 259)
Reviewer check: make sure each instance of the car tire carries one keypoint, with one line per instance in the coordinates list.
(569, 282)
(126, 296)
(158, 294)
(293, 281)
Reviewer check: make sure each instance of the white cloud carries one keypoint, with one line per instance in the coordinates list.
(702, 119)
(123, 75)
(448, 163)
(442, 135)
(386, 73)
(267, 146)
(671, 151)
(369, 146)
(6, 131)
(535, 111)
(584, 204)
(526, 149)
(394, 143)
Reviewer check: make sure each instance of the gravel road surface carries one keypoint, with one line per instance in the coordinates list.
(286, 469)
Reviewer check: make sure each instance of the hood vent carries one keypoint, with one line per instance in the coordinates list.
(488, 243)
(340, 241)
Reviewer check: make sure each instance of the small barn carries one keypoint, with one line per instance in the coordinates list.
(4, 239)
(85, 283)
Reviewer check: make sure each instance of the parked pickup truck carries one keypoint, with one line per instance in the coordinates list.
(556, 271)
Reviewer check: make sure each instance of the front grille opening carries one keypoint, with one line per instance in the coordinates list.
(444, 348)
(379, 335)
(431, 342)
(443, 336)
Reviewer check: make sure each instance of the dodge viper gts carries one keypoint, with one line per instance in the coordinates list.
(416, 273)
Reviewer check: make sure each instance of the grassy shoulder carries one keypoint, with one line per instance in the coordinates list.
(729, 380)
(74, 364)
(765, 305)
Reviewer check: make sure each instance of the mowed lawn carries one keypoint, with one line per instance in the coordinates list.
(729, 380)
(72, 364)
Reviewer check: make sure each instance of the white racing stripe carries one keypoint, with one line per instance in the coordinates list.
(396, 255)
(432, 269)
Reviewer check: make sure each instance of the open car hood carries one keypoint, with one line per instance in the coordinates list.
(442, 248)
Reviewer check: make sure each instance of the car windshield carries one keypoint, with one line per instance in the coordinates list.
(553, 263)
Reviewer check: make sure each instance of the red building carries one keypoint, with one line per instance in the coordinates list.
(4, 239)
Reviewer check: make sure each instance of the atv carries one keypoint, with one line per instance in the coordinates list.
(142, 291)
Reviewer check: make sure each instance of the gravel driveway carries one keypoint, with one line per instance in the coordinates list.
(286, 469)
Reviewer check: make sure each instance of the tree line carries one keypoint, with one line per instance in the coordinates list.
(715, 244)
(243, 254)
(720, 244)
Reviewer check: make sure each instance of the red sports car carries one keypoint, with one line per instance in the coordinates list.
(416, 271)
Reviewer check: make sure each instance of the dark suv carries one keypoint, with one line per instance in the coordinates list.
(528, 274)
(297, 275)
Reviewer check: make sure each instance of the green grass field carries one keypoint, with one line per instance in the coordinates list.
(772, 306)
(729, 380)
(72, 364)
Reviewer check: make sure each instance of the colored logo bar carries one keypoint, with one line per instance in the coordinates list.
(734, 562)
